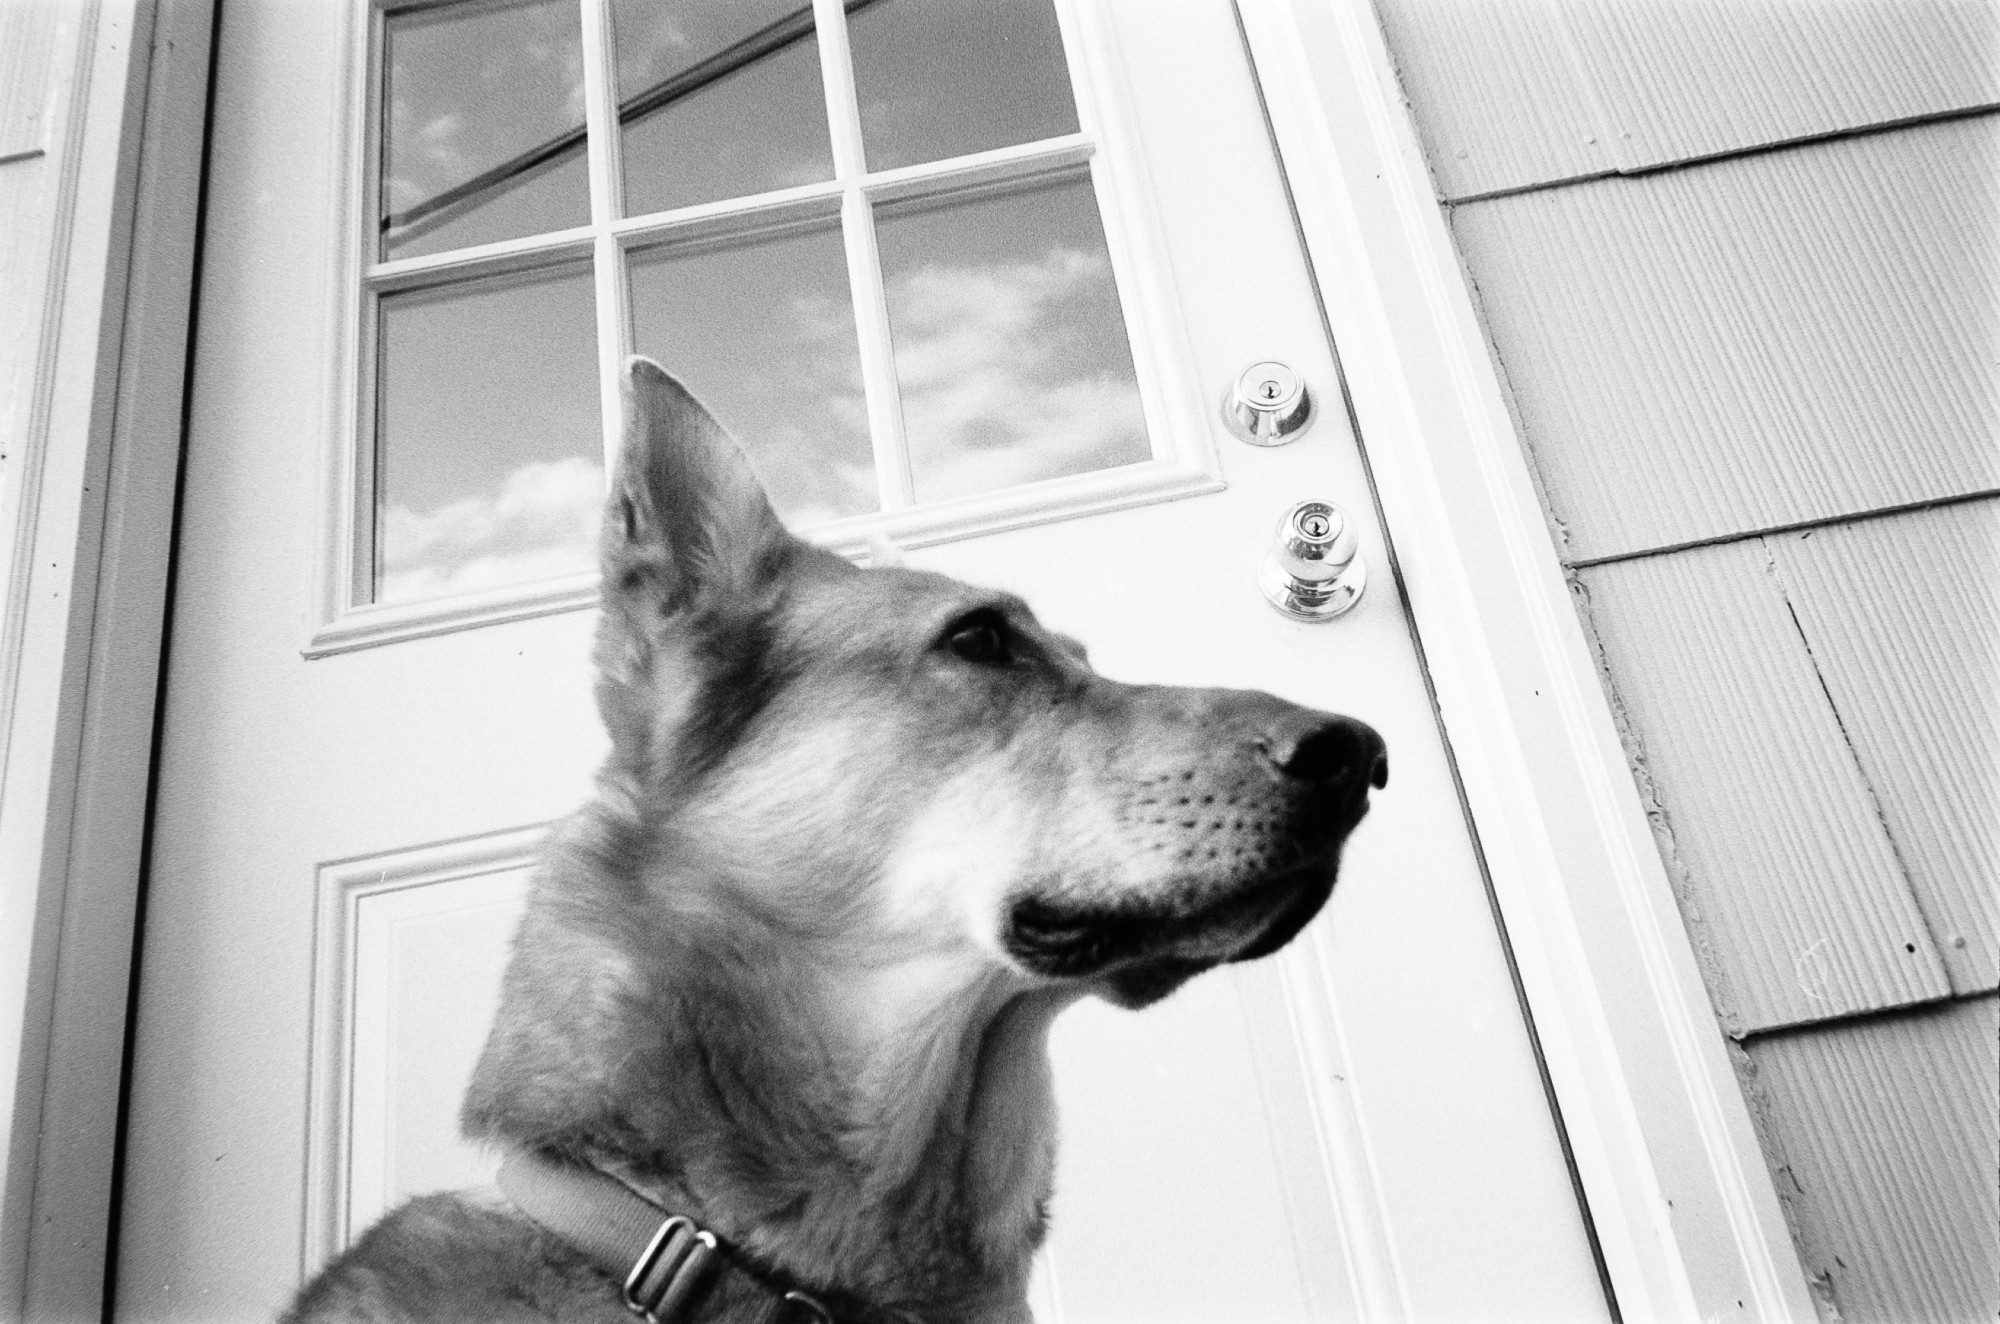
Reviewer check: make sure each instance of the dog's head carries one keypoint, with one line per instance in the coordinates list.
(914, 773)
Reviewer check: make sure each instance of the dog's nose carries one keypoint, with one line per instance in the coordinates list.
(1336, 746)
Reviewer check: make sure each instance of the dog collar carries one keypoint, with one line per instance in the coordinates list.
(669, 1265)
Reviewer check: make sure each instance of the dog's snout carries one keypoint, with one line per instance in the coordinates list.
(1336, 747)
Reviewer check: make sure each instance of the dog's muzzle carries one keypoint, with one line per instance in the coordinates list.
(1251, 841)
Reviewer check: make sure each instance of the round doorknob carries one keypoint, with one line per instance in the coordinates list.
(1268, 404)
(1314, 571)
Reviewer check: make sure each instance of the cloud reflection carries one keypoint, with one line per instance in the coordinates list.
(541, 524)
(1001, 382)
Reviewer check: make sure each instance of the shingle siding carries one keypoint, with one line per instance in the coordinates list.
(1740, 267)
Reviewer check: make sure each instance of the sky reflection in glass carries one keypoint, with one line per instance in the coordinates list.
(763, 332)
(489, 464)
(473, 90)
(1010, 359)
(1010, 349)
(940, 78)
(739, 107)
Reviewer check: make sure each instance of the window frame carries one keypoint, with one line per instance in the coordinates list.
(1178, 422)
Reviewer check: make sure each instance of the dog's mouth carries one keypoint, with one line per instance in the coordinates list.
(1142, 948)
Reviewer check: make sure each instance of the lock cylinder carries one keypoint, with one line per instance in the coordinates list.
(1268, 404)
(1314, 570)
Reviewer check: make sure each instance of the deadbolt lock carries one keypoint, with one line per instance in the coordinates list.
(1268, 404)
(1314, 571)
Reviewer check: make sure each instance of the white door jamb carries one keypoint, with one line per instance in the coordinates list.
(1685, 1210)
(82, 598)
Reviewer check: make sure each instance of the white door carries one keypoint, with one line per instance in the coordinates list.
(974, 273)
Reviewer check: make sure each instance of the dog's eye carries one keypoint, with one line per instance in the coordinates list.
(980, 638)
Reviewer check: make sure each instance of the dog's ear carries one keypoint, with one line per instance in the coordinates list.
(687, 523)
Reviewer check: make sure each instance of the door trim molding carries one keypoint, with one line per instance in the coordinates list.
(1683, 1204)
(94, 481)
(343, 888)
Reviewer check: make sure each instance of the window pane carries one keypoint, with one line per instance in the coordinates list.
(939, 78)
(1010, 348)
(482, 125)
(489, 465)
(719, 99)
(763, 332)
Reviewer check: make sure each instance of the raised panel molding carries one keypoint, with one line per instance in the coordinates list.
(407, 955)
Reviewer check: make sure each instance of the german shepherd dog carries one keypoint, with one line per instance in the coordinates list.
(784, 984)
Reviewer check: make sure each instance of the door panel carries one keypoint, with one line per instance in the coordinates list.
(1356, 1128)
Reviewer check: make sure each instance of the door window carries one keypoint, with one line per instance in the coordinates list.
(872, 236)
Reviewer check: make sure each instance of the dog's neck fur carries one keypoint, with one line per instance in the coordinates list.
(862, 1131)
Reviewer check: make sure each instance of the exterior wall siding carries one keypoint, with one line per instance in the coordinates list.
(1740, 269)
(1517, 94)
(1755, 342)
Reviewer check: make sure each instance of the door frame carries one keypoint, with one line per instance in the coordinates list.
(1683, 1204)
(88, 523)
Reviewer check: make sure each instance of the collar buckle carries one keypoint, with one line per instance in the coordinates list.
(670, 1273)
(818, 1314)
(674, 1268)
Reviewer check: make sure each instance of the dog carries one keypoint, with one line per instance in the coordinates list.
(772, 1040)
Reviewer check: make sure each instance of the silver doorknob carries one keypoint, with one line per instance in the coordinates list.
(1268, 404)
(1314, 571)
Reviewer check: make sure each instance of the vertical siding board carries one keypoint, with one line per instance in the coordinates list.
(1755, 342)
(1792, 886)
(1529, 92)
(1495, 94)
(1902, 615)
(1889, 1129)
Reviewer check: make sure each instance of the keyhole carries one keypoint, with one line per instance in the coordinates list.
(1265, 404)
(1314, 525)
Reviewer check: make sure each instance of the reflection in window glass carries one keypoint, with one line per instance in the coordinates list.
(719, 99)
(489, 466)
(763, 332)
(939, 78)
(1010, 348)
(482, 133)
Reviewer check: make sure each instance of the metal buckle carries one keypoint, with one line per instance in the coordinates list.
(820, 1314)
(682, 1255)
